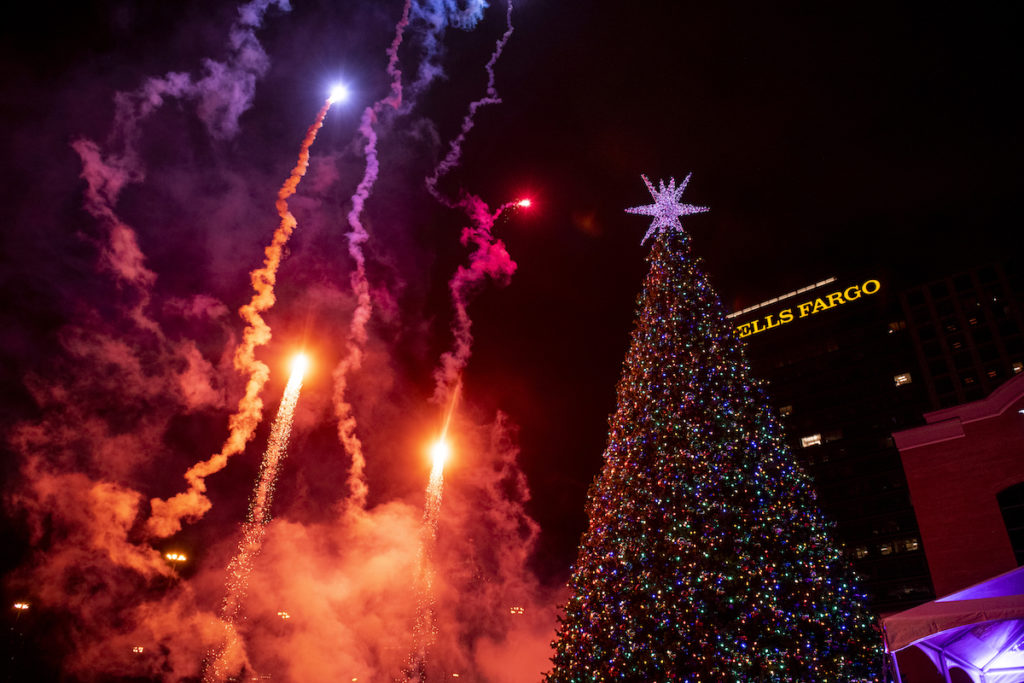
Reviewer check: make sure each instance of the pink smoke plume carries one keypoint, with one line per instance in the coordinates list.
(357, 236)
(193, 503)
(224, 92)
(489, 258)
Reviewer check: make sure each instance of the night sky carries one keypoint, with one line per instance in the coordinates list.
(828, 139)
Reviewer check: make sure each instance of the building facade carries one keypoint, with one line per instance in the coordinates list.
(965, 473)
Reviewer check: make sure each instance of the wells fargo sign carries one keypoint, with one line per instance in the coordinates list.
(809, 308)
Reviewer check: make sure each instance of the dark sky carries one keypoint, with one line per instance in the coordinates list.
(826, 138)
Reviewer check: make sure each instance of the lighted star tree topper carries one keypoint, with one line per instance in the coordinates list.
(666, 208)
(705, 558)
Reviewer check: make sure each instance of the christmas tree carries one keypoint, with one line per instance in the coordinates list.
(706, 557)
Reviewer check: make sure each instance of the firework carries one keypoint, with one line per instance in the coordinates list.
(193, 503)
(254, 528)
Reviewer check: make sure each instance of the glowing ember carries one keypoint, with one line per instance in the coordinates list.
(339, 93)
(300, 364)
(439, 453)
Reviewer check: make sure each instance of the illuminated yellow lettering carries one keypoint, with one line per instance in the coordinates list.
(786, 315)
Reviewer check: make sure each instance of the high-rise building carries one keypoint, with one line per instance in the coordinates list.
(852, 360)
(967, 330)
(841, 372)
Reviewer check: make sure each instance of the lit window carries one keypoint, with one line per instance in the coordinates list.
(897, 326)
(786, 410)
(901, 379)
(973, 321)
(885, 548)
(957, 345)
(991, 373)
(911, 544)
(968, 380)
(812, 440)
(1017, 367)
(860, 552)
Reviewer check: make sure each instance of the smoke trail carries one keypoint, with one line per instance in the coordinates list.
(435, 16)
(254, 528)
(224, 92)
(357, 235)
(454, 154)
(192, 504)
(489, 257)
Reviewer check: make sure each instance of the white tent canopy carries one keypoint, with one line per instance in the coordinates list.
(979, 630)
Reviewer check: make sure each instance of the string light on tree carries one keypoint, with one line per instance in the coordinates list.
(705, 558)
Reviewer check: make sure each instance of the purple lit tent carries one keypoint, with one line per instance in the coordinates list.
(979, 630)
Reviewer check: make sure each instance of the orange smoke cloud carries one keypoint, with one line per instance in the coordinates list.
(192, 504)
(347, 584)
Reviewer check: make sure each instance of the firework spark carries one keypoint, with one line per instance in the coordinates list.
(254, 527)
(193, 503)
(424, 629)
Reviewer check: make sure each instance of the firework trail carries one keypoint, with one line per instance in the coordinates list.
(254, 528)
(424, 629)
(454, 155)
(357, 235)
(489, 257)
(192, 504)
